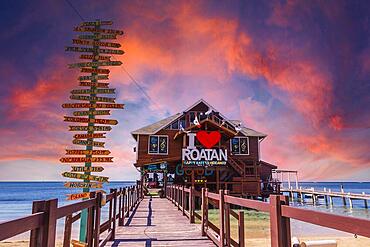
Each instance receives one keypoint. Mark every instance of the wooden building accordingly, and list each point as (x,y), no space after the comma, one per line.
(201,147)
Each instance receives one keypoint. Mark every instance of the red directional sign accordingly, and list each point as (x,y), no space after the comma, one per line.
(97,105)
(95,30)
(93,113)
(86,152)
(87,168)
(92,98)
(90,120)
(88,143)
(90,128)
(97,71)
(93,91)
(83,185)
(95,43)
(94,84)
(84,195)
(88,136)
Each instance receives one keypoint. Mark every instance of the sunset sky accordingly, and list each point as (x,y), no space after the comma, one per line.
(298,71)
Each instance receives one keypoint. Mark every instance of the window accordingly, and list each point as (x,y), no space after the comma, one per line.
(158,145)
(239,145)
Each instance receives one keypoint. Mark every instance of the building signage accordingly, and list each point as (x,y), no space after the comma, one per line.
(161,167)
(90,128)
(208,156)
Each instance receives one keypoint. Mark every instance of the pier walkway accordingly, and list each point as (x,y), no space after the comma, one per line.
(156,222)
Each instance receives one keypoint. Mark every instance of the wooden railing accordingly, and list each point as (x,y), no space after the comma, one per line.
(43,221)
(278,208)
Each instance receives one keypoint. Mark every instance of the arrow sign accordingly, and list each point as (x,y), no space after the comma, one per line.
(86,159)
(86,152)
(83,185)
(97,71)
(94,84)
(90,128)
(87,105)
(89,136)
(95,30)
(84,195)
(95,64)
(92,98)
(87,169)
(88,143)
(79,49)
(96,23)
(84,176)
(94,113)
(95,91)
(97,36)
(93,57)
(93,77)
(95,43)
(90,120)
(109,51)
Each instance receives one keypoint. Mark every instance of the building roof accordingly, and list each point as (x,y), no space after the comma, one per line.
(155,127)
(247,131)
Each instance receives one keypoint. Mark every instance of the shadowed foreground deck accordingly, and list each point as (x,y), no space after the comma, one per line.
(156,222)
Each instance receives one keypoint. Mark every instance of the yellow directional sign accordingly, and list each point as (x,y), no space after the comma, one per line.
(93,57)
(94,91)
(86,152)
(94,84)
(97,71)
(96,23)
(95,64)
(88,136)
(94,113)
(88,105)
(97,36)
(92,98)
(84,176)
(95,43)
(90,128)
(86,159)
(84,195)
(93,77)
(83,185)
(95,30)
(88,143)
(87,169)
(90,120)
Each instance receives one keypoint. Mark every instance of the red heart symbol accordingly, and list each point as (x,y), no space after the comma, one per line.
(208,139)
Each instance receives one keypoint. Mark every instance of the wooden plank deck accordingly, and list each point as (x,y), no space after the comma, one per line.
(156,222)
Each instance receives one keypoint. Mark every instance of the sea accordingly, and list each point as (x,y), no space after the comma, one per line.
(16,201)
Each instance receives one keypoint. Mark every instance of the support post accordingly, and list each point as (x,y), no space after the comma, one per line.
(285,223)
(191,205)
(222,218)
(113,235)
(67,231)
(241,228)
(122,221)
(97,219)
(276,222)
(36,237)
(183,200)
(227,222)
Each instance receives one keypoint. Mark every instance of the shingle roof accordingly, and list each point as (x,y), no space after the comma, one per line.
(155,127)
(247,131)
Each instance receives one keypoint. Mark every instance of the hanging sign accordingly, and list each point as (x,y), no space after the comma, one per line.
(90,128)
(96,23)
(87,152)
(79,49)
(95,30)
(90,120)
(97,36)
(83,185)
(88,136)
(93,113)
(95,64)
(84,176)
(97,71)
(93,77)
(88,143)
(94,57)
(94,91)
(87,168)
(84,195)
(92,98)
(94,84)
(95,43)
(88,105)
(85,159)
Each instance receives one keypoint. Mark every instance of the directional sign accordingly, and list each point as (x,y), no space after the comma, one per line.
(96,23)
(95,64)
(97,71)
(85,159)
(84,176)
(86,152)
(97,105)
(95,43)
(93,113)
(83,185)
(94,91)
(84,195)
(87,169)
(93,77)
(79,49)
(89,136)
(95,30)
(90,128)
(93,57)
(97,36)
(94,84)
(92,98)
(90,120)
(109,51)
(88,143)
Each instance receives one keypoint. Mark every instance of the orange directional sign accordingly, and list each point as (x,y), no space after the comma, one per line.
(89,136)
(87,168)
(93,57)
(95,91)
(90,120)
(97,105)
(97,71)
(83,185)
(95,64)
(92,98)
(93,77)
(94,84)
(95,43)
(94,113)
(96,23)
(87,152)
(84,195)
(84,176)
(88,143)
(90,128)
(95,30)
(97,36)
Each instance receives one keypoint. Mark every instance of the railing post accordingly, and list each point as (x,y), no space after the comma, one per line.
(204,212)
(127,206)
(97,219)
(285,223)
(122,200)
(90,223)
(178,197)
(110,212)
(36,237)
(183,200)
(119,197)
(227,222)
(113,235)
(222,218)
(276,222)
(241,228)
(67,231)
(191,205)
